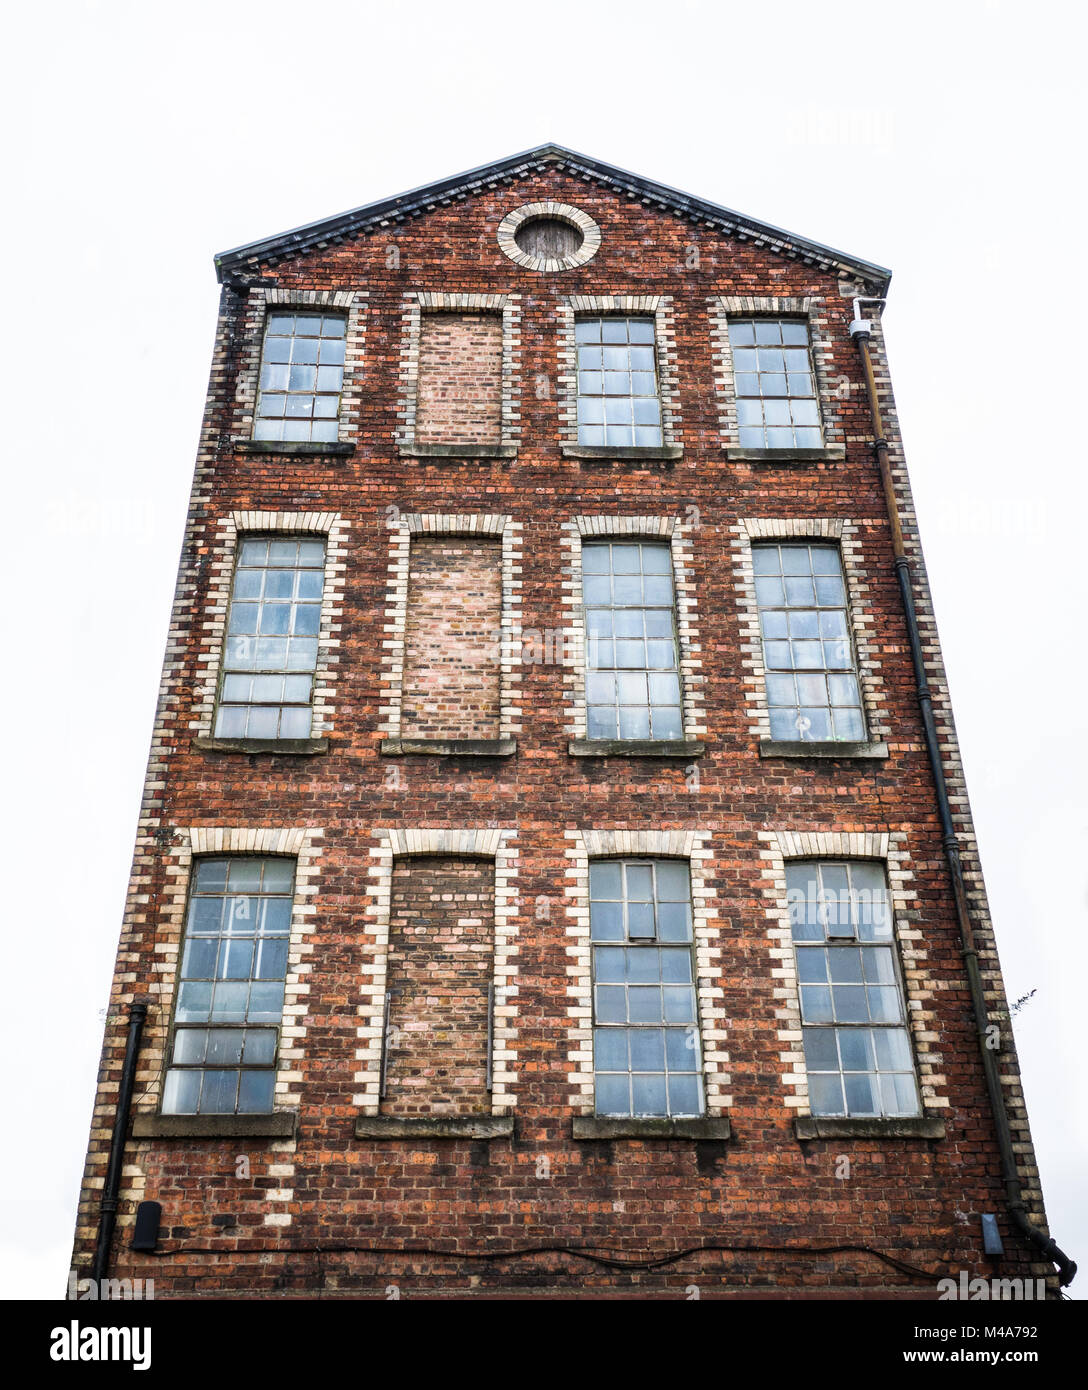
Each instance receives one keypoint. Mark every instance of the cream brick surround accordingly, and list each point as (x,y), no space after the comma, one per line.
(863,621)
(660,306)
(586,845)
(560,212)
(301,844)
(419,302)
(393,844)
(814,311)
(920,986)
(264,300)
(648,528)
(333,528)
(405,525)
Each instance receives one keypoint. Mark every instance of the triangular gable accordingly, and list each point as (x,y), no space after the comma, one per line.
(390,211)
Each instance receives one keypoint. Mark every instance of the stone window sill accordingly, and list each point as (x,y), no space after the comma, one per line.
(645,1127)
(434,1127)
(301,449)
(459,451)
(800,748)
(838,1127)
(281,1124)
(834,453)
(290,747)
(635,748)
(452,747)
(612,452)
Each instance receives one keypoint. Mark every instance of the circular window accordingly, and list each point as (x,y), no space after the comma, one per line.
(549,236)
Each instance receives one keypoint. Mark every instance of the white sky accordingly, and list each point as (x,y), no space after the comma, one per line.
(940,139)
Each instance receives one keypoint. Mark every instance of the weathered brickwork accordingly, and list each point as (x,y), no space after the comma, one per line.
(357,817)
(441,934)
(451,668)
(460,379)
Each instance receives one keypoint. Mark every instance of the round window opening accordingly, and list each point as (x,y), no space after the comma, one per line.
(549,238)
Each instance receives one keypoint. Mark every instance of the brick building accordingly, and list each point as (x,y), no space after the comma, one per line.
(542,883)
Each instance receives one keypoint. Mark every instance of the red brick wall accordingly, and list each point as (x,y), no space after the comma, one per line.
(451,659)
(441,935)
(460,379)
(916,1200)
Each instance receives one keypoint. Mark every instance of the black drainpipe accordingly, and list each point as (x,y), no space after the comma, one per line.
(860,331)
(137,1013)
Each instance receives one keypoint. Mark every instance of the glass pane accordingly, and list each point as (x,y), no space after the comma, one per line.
(856,1049)
(639,882)
(673,880)
(674,921)
(605,879)
(611,1004)
(892,1049)
(820,1051)
(825,1095)
(255,1092)
(684,1097)
(219,1093)
(610,1049)
(647,1049)
(181,1092)
(613,1095)
(260,1046)
(609,964)
(648,1094)
(816,1004)
(606,920)
(265,1002)
(224,1046)
(682,1049)
(676,966)
(189,1045)
(679,1004)
(861,1094)
(644,1003)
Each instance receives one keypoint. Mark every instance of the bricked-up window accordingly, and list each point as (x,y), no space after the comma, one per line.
(632,653)
(439,973)
(618,399)
(452,644)
(459,397)
(811,671)
(857,1048)
(301,377)
(646,1055)
(230,994)
(777,405)
(272,627)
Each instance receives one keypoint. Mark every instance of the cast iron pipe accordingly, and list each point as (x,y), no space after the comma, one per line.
(107,1217)
(860,331)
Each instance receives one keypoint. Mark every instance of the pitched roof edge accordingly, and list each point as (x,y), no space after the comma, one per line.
(416,201)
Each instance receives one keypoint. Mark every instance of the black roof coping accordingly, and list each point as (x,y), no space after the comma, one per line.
(231,263)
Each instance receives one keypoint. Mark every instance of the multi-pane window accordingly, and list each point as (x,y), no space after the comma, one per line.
(618,401)
(272,629)
(632,654)
(811,673)
(230,995)
(857,1048)
(777,406)
(646,1056)
(301,376)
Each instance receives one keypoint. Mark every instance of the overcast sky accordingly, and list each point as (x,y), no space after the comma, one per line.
(943,140)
